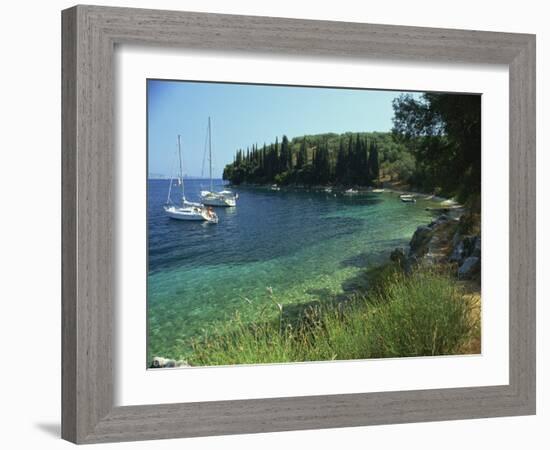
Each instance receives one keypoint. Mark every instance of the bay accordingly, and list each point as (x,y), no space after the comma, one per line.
(301,245)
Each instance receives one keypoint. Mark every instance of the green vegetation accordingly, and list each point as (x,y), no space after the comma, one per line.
(346,159)
(419,315)
(443,132)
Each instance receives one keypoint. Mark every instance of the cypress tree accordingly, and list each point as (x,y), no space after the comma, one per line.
(374,168)
(340,169)
(301,158)
(285,157)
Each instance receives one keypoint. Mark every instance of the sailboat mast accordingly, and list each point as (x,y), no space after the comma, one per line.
(210,153)
(181,170)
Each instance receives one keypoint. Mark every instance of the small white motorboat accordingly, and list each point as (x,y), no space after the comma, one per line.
(274,187)
(377,190)
(407,198)
(351,191)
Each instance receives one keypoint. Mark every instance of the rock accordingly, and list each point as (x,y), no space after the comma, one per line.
(477,247)
(161,363)
(443,218)
(465,247)
(420,240)
(398,255)
(458,252)
(469,268)
(457,237)
(469,244)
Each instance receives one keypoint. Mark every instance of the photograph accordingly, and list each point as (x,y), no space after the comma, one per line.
(291,224)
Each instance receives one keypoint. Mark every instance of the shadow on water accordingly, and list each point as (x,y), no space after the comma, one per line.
(360,260)
(356,284)
(366,258)
(352,286)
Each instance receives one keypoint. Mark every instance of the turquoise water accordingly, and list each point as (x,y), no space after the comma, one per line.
(305,246)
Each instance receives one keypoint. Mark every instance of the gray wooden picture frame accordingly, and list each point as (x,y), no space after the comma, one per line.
(90,34)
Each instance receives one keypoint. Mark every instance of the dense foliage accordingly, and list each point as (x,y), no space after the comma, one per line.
(443,131)
(346,159)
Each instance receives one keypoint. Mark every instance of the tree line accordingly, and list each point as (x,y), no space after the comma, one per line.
(348,159)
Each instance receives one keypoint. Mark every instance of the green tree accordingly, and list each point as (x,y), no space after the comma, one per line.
(285,156)
(341,162)
(443,131)
(301,158)
(373,164)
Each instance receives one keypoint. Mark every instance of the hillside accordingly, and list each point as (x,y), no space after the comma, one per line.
(347,159)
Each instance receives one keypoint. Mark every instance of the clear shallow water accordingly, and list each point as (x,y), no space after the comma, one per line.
(306,246)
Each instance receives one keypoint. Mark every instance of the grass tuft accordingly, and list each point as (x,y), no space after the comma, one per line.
(423,314)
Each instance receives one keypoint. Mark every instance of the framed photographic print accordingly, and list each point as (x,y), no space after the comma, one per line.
(268,222)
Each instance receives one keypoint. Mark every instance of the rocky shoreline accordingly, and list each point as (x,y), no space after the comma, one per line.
(454,242)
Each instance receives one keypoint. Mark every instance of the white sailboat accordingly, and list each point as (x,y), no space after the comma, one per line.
(187,210)
(212,198)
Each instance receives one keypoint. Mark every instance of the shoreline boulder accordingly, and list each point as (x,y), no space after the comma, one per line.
(418,246)
(159,362)
(469,268)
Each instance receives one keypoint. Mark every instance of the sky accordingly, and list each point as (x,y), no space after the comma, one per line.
(246,114)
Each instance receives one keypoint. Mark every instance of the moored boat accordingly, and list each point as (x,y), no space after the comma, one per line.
(223,198)
(407,198)
(187,210)
(190,213)
(212,198)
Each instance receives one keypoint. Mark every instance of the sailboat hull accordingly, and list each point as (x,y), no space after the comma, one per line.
(214,199)
(189,214)
(218,202)
(183,216)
